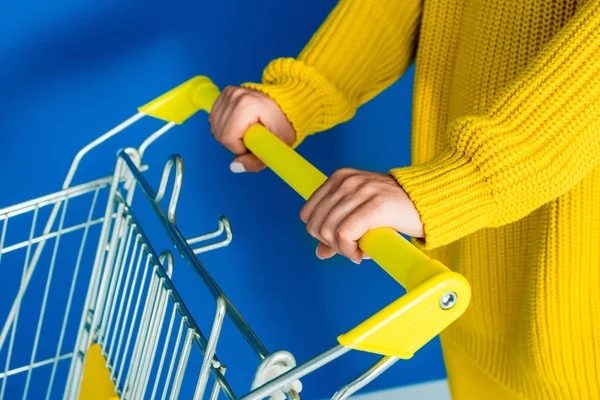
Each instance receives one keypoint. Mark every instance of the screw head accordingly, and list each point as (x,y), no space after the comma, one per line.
(448,300)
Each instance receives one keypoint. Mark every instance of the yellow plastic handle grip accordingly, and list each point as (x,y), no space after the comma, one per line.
(435,295)
(390,250)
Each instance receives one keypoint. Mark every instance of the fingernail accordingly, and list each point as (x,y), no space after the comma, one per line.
(237,167)
(317,254)
(366,258)
(355,262)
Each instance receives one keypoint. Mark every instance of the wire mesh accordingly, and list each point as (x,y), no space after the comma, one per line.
(44,308)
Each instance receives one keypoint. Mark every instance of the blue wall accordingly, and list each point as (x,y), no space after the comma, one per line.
(72,69)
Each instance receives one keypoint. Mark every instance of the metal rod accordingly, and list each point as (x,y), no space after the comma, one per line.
(164,352)
(47,236)
(45,298)
(183,360)
(39,202)
(150,139)
(216,386)
(127,309)
(13,313)
(211,348)
(366,378)
(134,366)
(113,338)
(101,139)
(35,365)
(115,282)
(173,358)
(191,258)
(16,307)
(224,226)
(296,373)
(89,316)
(150,353)
(133,319)
(183,311)
(71,291)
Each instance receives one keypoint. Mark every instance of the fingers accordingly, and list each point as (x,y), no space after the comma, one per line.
(247,163)
(234,111)
(324,251)
(330,185)
(332,204)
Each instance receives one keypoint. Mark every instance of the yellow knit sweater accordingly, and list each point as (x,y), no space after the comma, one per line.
(505,174)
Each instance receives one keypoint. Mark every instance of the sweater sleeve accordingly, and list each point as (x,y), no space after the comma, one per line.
(361,49)
(532,145)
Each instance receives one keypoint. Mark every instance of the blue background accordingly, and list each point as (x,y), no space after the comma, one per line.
(71,70)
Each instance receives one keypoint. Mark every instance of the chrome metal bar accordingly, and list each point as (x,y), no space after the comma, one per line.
(44,238)
(45,298)
(71,291)
(191,258)
(134,318)
(55,209)
(366,378)
(296,373)
(211,348)
(224,226)
(128,308)
(216,387)
(16,307)
(35,365)
(101,139)
(151,299)
(164,352)
(117,297)
(39,202)
(89,317)
(150,139)
(115,282)
(183,311)
(154,333)
(155,325)
(183,360)
(4,226)
(173,358)
(109,269)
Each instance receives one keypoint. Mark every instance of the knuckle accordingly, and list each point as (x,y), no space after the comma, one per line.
(342,234)
(303,215)
(310,228)
(366,188)
(343,172)
(378,200)
(351,181)
(325,233)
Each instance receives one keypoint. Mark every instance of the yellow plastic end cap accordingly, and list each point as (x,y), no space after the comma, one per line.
(407,324)
(180,103)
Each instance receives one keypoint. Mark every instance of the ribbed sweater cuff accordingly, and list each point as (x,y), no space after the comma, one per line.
(307,98)
(451,196)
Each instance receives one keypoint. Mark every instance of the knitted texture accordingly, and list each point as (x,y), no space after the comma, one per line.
(505,169)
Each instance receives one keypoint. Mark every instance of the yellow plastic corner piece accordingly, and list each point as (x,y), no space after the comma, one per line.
(180,103)
(407,324)
(96,383)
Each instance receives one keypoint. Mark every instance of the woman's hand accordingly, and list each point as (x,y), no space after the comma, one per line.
(352,202)
(235,111)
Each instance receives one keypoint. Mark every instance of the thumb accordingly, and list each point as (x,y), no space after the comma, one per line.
(246,163)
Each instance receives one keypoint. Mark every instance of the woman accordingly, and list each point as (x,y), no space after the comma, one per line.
(505,181)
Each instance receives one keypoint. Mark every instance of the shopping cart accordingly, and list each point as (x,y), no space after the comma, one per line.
(135,332)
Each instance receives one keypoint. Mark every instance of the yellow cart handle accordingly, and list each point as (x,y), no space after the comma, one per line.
(435,295)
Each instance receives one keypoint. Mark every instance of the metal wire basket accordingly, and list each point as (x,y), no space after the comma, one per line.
(135,333)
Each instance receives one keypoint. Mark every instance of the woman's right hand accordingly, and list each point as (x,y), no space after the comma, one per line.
(235,111)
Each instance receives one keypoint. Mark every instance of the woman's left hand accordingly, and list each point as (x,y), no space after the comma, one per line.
(352,202)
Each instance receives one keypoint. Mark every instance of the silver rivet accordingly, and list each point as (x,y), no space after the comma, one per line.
(448,300)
